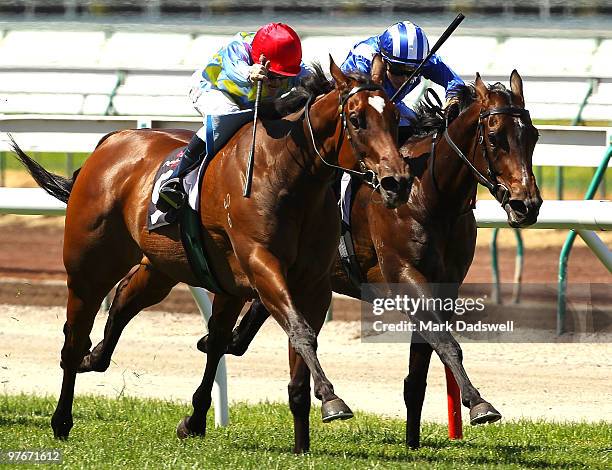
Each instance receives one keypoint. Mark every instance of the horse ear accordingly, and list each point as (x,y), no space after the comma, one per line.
(516,85)
(341,79)
(378,69)
(481,89)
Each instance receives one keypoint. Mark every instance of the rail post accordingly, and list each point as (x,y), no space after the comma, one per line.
(569,242)
(2,168)
(453,397)
(518,268)
(495,294)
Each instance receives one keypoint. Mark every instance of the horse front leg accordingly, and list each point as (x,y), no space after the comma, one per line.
(225,311)
(268,277)
(415,385)
(299,401)
(245,332)
(447,348)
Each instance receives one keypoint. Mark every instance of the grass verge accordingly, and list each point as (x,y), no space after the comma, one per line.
(135,433)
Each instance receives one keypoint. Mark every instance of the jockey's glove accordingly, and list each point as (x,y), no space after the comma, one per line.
(259,72)
(451,100)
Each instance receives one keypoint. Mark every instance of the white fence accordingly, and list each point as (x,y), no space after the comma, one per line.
(557,146)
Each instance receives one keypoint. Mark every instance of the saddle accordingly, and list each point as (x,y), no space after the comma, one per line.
(218,129)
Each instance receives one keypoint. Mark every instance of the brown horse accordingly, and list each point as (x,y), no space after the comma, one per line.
(278,245)
(432,239)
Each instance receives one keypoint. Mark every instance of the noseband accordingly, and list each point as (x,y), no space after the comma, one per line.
(499,191)
(369,176)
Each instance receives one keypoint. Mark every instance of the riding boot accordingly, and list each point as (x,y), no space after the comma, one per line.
(172,192)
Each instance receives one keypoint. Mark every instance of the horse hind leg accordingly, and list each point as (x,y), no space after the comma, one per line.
(143,286)
(84,299)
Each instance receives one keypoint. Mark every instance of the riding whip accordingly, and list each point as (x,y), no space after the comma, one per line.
(450,30)
(251,162)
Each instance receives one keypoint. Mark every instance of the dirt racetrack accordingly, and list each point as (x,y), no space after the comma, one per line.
(157,355)
(31,254)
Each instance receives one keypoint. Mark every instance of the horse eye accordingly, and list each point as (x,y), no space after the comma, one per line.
(354,119)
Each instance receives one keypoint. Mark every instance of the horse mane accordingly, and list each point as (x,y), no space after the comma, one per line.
(310,86)
(428,121)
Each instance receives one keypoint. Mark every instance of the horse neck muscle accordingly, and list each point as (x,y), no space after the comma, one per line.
(456,186)
(326,127)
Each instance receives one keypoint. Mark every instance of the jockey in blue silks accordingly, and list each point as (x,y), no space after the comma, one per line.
(402,46)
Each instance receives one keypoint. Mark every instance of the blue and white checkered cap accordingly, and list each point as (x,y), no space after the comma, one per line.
(403,43)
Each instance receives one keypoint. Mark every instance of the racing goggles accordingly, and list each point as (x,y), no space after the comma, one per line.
(399,69)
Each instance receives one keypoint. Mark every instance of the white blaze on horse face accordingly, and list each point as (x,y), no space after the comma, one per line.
(377,102)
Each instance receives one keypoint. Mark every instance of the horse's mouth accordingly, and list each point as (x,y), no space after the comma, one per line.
(521,215)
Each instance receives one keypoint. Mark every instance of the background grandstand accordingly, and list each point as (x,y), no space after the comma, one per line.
(156,8)
(135,58)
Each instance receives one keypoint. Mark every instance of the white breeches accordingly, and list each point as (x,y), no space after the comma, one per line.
(211,102)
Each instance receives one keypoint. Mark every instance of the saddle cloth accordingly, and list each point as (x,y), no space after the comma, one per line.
(218,129)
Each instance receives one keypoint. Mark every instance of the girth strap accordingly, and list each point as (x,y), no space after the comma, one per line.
(348,258)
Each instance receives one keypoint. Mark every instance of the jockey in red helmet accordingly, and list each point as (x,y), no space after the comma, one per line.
(227,84)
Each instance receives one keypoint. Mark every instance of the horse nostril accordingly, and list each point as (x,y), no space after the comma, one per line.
(394,184)
(518,206)
(389,184)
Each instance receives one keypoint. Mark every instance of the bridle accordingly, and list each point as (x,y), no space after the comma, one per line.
(369,176)
(499,191)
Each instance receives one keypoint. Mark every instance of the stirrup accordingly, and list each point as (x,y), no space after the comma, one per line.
(171,195)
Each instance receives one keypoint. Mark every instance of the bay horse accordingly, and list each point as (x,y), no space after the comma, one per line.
(278,245)
(432,239)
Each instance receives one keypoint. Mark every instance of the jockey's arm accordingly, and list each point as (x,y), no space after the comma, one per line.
(236,67)
(438,72)
(356,63)
(407,115)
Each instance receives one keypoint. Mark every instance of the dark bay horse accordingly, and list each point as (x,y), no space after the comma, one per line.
(278,245)
(432,239)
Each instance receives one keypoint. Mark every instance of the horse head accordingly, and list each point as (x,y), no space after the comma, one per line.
(506,138)
(369,127)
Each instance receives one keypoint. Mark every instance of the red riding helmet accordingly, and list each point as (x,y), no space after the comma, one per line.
(282,47)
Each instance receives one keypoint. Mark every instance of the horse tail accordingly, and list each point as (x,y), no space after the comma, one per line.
(56,185)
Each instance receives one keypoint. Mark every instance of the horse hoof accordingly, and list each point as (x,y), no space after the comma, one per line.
(335,409)
(90,364)
(413,445)
(183,431)
(61,428)
(484,413)
(202,344)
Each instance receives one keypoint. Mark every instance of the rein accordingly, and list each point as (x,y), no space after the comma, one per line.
(499,191)
(370,177)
